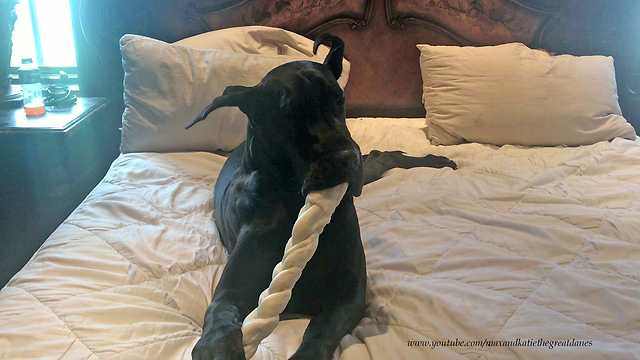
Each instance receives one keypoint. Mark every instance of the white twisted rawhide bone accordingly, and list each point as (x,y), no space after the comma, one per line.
(314,216)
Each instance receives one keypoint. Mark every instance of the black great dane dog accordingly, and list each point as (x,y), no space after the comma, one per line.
(297,141)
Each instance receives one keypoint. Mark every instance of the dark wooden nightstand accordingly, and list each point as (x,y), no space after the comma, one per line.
(48,165)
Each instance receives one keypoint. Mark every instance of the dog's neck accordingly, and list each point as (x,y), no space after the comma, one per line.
(272,163)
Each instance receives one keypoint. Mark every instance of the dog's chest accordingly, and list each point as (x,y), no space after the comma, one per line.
(250,201)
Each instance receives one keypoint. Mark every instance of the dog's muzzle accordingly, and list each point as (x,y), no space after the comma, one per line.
(339,167)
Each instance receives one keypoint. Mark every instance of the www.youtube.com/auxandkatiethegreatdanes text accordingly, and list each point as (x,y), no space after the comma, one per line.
(497,343)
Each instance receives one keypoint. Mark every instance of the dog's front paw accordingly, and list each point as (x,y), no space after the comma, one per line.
(314,352)
(224,343)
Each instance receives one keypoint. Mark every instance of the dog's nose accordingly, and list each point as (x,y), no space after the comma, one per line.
(348,159)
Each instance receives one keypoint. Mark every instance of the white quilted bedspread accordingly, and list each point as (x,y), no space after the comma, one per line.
(519,244)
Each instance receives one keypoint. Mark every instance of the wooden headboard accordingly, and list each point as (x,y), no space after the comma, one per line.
(380,37)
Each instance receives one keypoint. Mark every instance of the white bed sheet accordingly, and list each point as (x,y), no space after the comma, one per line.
(518,243)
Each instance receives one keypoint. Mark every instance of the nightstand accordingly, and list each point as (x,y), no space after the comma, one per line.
(48,165)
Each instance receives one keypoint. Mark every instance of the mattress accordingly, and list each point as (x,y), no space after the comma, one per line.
(522,252)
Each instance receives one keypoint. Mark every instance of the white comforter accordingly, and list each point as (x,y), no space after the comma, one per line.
(519,244)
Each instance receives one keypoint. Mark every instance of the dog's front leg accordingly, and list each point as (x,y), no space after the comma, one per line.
(246,275)
(340,257)
(326,329)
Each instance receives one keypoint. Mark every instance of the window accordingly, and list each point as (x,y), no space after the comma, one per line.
(43,33)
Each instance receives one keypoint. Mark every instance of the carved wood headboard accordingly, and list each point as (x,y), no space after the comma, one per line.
(380,37)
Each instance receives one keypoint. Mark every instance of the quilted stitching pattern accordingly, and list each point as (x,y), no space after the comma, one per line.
(511,246)
(518,243)
(140,250)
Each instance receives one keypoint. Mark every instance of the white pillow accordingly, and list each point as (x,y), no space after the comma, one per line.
(167,85)
(255,40)
(263,40)
(510,94)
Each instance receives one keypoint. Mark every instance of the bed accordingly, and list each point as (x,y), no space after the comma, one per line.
(527,251)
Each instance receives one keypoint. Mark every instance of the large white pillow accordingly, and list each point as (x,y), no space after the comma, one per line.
(510,94)
(167,85)
(254,40)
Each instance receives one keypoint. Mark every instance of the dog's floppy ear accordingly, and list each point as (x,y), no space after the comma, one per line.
(334,58)
(240,96)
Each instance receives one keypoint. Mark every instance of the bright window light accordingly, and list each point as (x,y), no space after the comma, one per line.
(23,43)
(43,33)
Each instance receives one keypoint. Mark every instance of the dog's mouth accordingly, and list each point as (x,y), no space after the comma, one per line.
(324,174)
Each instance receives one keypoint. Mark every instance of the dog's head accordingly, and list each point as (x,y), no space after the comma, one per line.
(297,112)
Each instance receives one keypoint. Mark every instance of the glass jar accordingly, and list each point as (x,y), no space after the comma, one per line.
(31,88)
